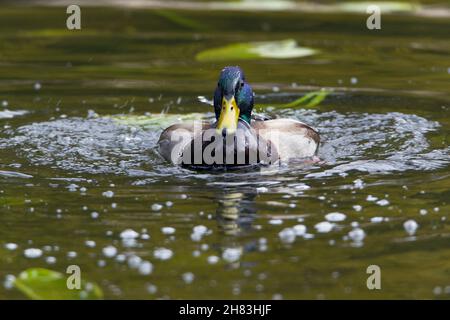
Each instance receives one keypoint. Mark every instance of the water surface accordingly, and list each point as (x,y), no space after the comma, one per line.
(72,175)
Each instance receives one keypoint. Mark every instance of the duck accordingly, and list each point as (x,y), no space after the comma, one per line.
(237,138)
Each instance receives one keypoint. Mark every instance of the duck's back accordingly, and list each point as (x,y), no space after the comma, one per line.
(293,139)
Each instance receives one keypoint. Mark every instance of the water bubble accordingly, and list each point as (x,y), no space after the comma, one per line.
(232,254)
(121,258)
(152,289)
(371,198)
(32,253)
(335,216)
(376,219)
(90,243)
(109,251)
(353,80)
(213,259)
(382,202)
(163,254)
(145,268)
(156,207)
(94,215)
(9,281)
(287,235)
(410,227)
(423,212)
(358,184)
(357,207)
(200,229)
(129,234)
(37,86)
(276,221)
(101,263)
(71,254)
(11,246)
(299,230)
(134,261)
(4,103)
(169,204)
(357,235)
(108,194)
(188,277)
(50,260)
(324,227)
(168,230)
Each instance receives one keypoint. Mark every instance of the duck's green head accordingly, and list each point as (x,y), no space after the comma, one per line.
(233,99)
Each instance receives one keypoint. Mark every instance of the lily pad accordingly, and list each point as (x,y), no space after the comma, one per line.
(45,284)
(284,49)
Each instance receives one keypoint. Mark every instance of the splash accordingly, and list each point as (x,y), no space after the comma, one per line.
(370,143)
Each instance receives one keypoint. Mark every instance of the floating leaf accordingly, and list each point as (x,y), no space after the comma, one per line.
(44,284)
(285,49)
(155,121)
(309,100)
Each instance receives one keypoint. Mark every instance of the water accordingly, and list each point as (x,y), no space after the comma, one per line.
(80,186)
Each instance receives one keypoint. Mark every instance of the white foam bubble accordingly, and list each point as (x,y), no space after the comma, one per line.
(32,253)
(324,226)
(410,227)
(287,235)
(109,251)
(129,234)
(163,254)
(335,216)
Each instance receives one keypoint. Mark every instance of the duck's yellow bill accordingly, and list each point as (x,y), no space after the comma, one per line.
(229,116)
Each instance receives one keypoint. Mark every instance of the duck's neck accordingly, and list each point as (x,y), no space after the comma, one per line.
(245,117)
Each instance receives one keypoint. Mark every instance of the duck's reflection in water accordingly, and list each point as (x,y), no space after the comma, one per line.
(236,212)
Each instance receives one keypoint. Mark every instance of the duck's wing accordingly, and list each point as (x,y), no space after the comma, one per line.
(174,138)
(292,139)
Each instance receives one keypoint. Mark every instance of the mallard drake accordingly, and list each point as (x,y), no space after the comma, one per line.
(250,141)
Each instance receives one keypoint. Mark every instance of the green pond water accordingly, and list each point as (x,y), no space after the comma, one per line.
(79,163)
